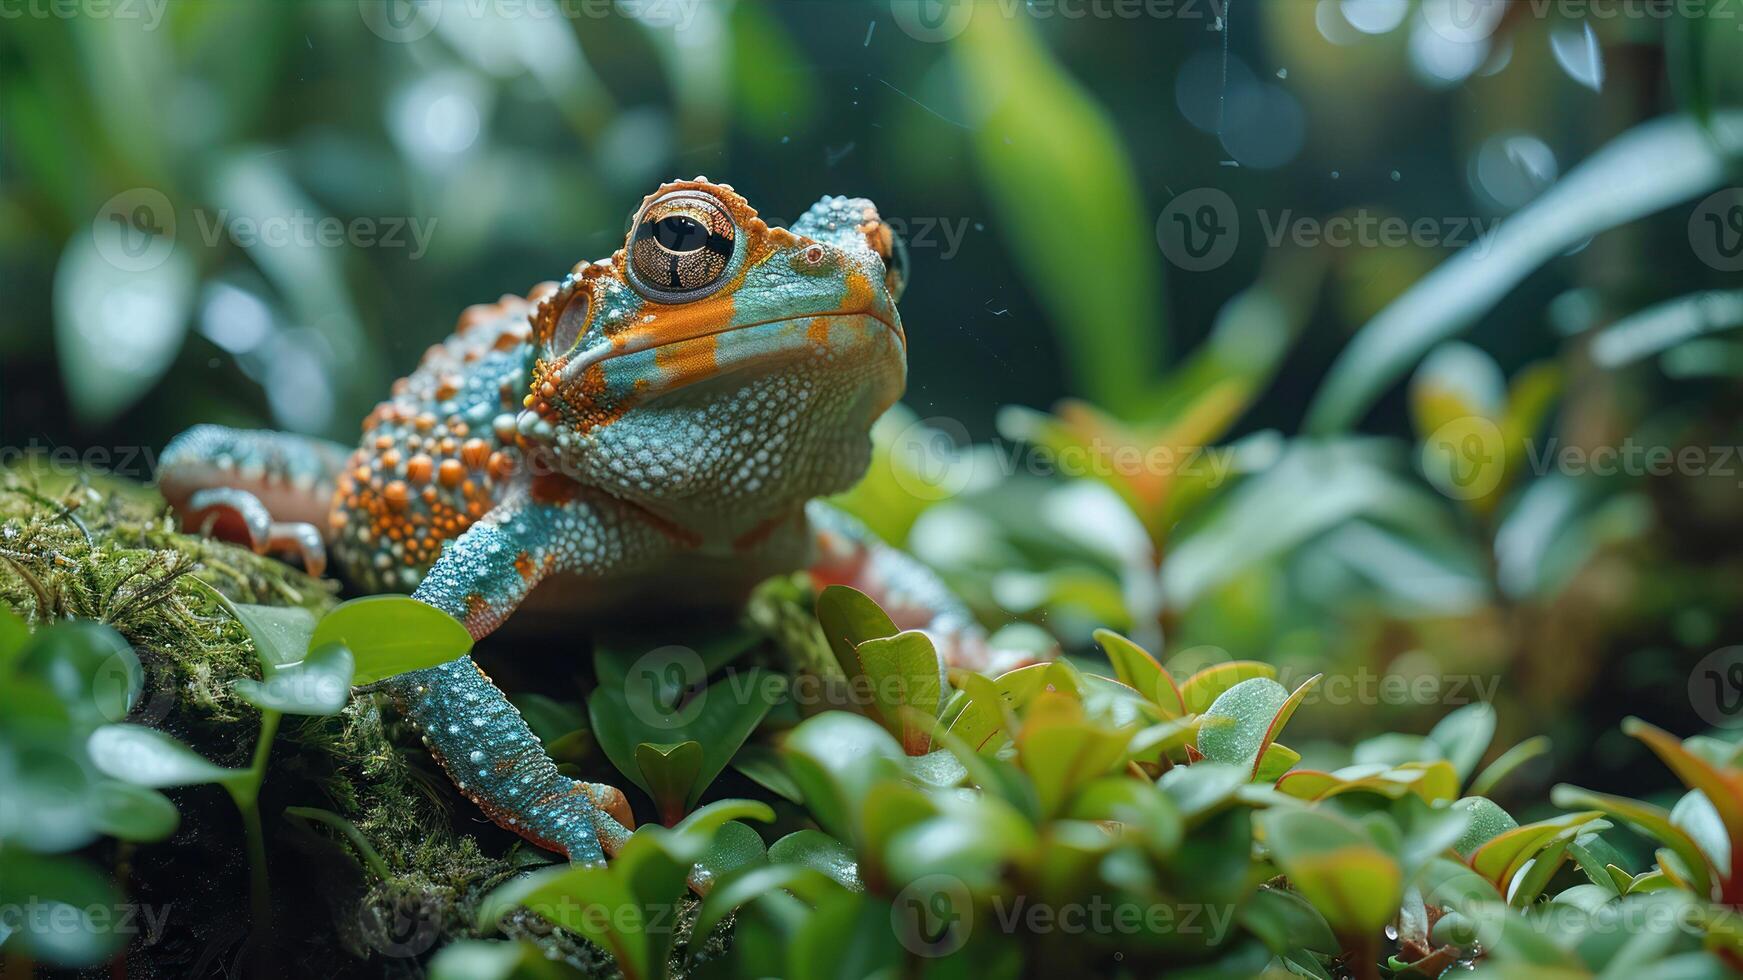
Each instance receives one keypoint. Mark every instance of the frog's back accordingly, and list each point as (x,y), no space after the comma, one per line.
(438,453)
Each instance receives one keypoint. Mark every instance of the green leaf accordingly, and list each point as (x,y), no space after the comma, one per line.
(1502,857)
(1060,749)
(719,719)
(13,636)
(1142,813)
(750,884)
(133,813)
(1509,761)
(1267,768)
(89,667)
(477,959)
(818,851)
(1463,737)
(1488,821)
(147,757)
(764,767)
(1650,820)
(987,715)
(1432,781)
(319,685)
(392,634)
(973,839)
(1277,760)
(849,617)
(1723,790)
(1335,867)
(669,772)
(836,758)
(846,937)
(1203,688)
(1141,672)
(63,896)
(1284,921)
(1651,167)
(736,847)
(281,634)
(905,673)
(1035,127)
(1250,706)
(692,836)
(1202,789)
(592,901)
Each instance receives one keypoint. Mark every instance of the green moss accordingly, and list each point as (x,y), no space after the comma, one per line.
(109,550)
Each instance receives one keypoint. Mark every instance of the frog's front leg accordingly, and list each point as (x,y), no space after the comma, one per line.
(845,552)
(470,727)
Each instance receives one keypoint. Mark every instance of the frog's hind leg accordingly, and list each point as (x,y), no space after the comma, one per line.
(268,490)
(846,553)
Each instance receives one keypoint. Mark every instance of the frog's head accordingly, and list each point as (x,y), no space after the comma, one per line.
(715,367)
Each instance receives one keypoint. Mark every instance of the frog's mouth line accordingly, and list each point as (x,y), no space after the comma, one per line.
(583,360)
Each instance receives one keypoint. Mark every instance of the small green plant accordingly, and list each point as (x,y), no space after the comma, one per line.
(307,668)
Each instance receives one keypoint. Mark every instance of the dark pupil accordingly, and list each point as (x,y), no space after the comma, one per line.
(680,233)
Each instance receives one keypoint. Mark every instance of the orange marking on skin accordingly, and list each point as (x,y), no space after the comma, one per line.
(418,468)
(817,332)
(697,358)
(523,563)
(500,465)
(396,495)
(475,453)
(451,472)
(860,295)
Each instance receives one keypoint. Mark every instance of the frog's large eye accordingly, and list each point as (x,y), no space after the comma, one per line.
(681,247)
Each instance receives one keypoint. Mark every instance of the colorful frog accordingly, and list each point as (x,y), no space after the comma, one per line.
(652,430)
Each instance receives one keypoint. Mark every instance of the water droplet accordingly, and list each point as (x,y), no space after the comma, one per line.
(1396,176)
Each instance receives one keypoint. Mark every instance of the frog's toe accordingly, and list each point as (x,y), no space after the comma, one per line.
(611,800)
(237,516)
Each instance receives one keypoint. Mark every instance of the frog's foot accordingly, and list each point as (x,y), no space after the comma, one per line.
(238,516)
(913,596)
(267,490)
